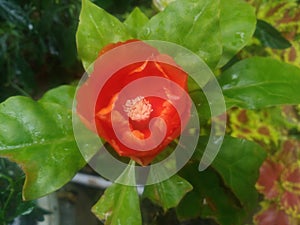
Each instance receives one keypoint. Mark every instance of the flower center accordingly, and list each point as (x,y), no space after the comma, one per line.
(138,109)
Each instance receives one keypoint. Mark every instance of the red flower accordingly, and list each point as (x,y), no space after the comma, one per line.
(125,118)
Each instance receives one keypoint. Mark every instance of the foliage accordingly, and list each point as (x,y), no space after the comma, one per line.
(41,152)
(225,192)
(259,82)
(37,45)
(283,16)
(11,204)
(275,128)
(120,202)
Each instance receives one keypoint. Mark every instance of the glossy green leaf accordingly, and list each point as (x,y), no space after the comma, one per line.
(269,36)
(168,193)
(237,163)
(96,29)
(259,82)
(237,21)
(191,23)
(120,203)
(135,21)
(39,137)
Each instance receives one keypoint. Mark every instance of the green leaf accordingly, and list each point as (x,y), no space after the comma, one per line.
(190,206)
(62,95)
(200,101)
(96,29)
(238,164)
(232,102)
(209,198)
(237,21)
(39,137)
(260,82)
(191,23)
(269,36)
(168,193)
(135,21)
(120,203)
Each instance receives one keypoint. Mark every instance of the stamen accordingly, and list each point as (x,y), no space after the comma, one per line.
(138,109)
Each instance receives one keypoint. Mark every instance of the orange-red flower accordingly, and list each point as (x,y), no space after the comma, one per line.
(127,120)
